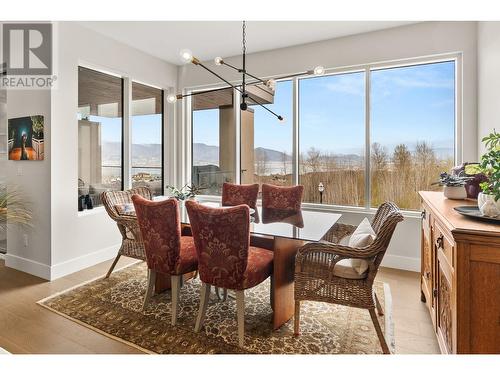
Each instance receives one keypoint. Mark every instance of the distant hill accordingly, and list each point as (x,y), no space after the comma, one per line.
(205,153)
(112,151)
(262,153)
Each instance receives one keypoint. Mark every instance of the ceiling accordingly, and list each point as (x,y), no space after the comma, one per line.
(209,39)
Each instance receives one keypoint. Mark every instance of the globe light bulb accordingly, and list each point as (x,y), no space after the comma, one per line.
(319,70)
(171,98)
(271,83)
(218,60)
(186,55)
(281,119)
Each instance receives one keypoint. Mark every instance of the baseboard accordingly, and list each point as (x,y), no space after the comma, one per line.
(2,256)
(84,261)
(401,263)
(27,265)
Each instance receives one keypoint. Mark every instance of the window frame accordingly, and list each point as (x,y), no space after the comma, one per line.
(368,68)
(126,139)
(162,136)
(123,107)
(294,177)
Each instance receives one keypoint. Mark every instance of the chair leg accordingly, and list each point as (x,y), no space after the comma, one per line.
(240,307)
(380,334)
(113,265)
(296,320)
(378,305)
(204,297)
(175,282)
(150,288)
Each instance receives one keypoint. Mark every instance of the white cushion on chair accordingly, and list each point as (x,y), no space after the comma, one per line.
(364,235)
(345,268)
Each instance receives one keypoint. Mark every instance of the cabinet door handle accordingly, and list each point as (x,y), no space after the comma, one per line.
(435,293)
(428,274)
(423,215)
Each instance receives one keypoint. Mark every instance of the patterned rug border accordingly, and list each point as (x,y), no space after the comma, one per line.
(116,338)
(389,323)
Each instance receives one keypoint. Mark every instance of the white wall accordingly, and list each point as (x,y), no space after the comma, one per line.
(33,178)
(81,240)
(488,50)
(406,42)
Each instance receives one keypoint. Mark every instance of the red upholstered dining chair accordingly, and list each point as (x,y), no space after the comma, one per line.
(234,194)
(282,197)
(225,257)
(167,252)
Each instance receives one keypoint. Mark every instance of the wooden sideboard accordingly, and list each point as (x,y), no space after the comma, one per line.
(460,276)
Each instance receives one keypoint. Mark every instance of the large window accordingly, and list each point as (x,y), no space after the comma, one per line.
(332,138)
(412,130)
(213,140)
(100,129)
(367,136)
(267,144)
(147,137)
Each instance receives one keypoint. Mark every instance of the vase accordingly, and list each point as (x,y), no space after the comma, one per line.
(455,192)
(488,205)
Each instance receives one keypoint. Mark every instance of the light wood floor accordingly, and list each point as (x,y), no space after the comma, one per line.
(26,327)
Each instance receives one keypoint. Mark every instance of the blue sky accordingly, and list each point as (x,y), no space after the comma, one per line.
(408,104)
(146,129)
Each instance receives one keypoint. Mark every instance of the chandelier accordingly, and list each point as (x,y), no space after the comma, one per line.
(246,99)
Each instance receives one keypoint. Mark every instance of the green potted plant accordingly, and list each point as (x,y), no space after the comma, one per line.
(186,192)
(454,185)
(488,199)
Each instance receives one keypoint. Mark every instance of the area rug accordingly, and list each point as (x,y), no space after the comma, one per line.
(114,307)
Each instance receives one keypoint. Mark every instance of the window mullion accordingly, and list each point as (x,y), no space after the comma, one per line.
(127,133)
(295,130)
(367,139)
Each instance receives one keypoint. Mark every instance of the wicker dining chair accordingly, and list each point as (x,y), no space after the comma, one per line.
(316,278)
(132,245)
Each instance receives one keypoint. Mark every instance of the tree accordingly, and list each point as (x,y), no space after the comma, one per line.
(284,159)
(313,159)
(401,158)
(424,155)
(379,156)
(261,163)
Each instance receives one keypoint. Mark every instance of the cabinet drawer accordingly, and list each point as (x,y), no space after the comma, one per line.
(443,242)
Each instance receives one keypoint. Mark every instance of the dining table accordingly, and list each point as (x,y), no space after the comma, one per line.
(283,232)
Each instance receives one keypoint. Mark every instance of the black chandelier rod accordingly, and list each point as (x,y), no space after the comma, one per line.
(219,76)
(180,96)
(279,117)
(243,71)
(243,86)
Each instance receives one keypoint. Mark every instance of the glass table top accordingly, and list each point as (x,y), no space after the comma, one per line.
(304,224)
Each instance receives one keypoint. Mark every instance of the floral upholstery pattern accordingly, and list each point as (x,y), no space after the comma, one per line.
(166,251)
(234,195)
(282,197)
(222,239)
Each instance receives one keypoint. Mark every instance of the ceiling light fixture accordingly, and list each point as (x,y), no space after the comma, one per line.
(187,57)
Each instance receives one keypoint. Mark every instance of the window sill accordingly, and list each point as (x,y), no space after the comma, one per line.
(91,212)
